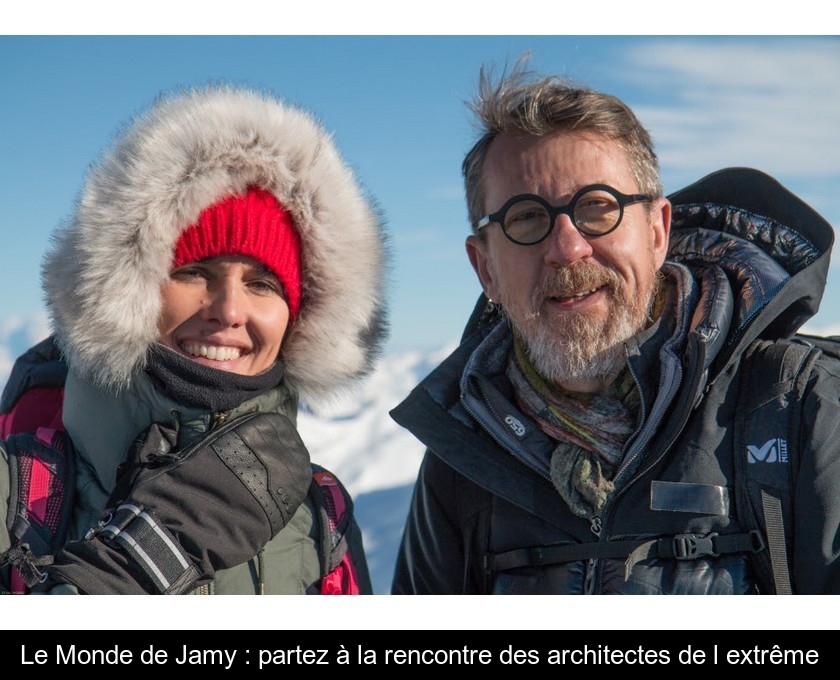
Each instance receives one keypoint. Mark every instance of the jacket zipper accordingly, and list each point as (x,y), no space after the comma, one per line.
(592,563)
(683,420)
(686,412)
(495,437)
(635,449)
(633,452)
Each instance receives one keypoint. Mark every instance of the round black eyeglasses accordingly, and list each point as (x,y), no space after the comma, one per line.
(595,210)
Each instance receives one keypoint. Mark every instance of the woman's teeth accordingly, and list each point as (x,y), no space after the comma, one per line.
(211,351)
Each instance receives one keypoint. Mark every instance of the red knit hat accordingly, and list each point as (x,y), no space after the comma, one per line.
(254,225)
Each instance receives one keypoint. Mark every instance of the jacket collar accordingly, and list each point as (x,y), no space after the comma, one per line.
(103,426)
(740,230)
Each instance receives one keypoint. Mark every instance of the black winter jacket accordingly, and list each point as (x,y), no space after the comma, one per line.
(750,260)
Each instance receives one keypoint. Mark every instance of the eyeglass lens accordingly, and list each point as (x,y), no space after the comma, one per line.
(595,212)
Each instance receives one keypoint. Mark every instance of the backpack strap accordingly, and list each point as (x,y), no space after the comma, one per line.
(41,461)
(339,572)
(41,471)
(767,448)
(678,547)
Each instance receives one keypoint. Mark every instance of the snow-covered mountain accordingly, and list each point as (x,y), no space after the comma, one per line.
(375,458)
(354,437)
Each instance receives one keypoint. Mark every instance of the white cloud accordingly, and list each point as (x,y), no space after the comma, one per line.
(771,103)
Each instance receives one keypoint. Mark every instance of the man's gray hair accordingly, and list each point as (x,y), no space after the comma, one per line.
(521,103)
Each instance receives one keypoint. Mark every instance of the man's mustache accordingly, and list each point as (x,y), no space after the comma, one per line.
(567,281)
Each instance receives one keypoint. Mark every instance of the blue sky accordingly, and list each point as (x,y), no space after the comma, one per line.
(396,105)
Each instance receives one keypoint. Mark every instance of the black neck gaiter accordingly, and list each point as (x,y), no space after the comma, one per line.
(197,386)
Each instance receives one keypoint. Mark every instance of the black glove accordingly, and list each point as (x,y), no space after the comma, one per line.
(176,518)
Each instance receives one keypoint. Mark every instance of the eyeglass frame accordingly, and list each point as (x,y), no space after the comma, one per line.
(554,212)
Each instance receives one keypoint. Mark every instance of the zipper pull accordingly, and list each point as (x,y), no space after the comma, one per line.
(219,419)
(591,563)
(589,582)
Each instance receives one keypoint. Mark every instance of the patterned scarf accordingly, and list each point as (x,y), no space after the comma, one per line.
(590,430)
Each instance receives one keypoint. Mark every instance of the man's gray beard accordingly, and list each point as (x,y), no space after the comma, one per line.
(577,348)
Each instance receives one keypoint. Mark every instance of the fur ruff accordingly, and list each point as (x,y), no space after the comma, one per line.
(103,272)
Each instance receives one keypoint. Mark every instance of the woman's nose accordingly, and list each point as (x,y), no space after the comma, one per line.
(226,304)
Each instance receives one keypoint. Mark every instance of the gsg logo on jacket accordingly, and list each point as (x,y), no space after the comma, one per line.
(772,451)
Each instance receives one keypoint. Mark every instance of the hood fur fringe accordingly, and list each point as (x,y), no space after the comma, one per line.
(104,269)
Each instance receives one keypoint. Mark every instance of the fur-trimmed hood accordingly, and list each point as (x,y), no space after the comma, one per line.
(103,272)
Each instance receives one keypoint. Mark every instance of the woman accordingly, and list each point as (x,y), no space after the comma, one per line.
(222,263)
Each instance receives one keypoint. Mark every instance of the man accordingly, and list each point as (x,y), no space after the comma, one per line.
(585,436)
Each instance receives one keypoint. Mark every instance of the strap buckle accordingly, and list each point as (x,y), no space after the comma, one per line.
(692,546)
(26,565)
(117,521)
(757,539)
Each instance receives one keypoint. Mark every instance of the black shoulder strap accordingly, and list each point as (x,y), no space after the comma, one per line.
(335,509)
(41,472)
(344,569)
(767,447)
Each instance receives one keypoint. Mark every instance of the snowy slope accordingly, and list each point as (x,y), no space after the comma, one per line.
(375,458)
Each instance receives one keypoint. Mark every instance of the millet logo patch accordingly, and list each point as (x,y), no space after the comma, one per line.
(772,451)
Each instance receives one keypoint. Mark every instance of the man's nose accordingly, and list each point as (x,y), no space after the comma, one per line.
(566,245)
